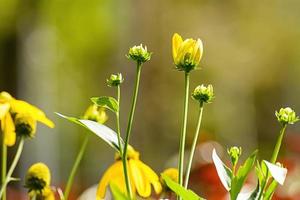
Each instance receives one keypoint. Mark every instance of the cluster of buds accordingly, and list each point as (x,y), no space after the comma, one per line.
(234,153)
(115,80)
(139,54)
(186,54)
(203,94)
(286,116)
(37,181)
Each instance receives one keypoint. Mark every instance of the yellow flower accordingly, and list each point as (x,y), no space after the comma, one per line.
(172,173)
(96,113)
(12,109)
(186,54)
(141,177)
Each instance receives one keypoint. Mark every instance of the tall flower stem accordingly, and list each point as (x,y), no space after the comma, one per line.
(187,175)
(129,127)
(4,166)
(118,120)
(75,166)
(13,166)
(183,129)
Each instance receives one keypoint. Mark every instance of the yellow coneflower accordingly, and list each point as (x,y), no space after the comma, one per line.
(37,181)
(22,113)
(141,176)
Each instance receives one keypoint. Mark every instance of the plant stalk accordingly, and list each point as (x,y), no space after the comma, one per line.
(187,175)
(118,122)
(13,166)
(75,166)
(129,127)
(4,166)
(183,130)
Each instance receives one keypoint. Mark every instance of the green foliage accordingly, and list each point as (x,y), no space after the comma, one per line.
(100,130)
(185,194)
(106,102)
(117,194)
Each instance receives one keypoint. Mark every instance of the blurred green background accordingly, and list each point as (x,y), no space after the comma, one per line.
(57,54)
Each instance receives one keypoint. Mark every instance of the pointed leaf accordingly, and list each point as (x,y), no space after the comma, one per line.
(186,194)
(224,173)
(102,131)
(106,102)
(242,173)
(270,191)
(277,172)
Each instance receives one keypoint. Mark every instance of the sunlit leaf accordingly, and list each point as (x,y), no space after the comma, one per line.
(224,173)
(277,172)
(100,130)
(270,190)
(185,194)
(106,102)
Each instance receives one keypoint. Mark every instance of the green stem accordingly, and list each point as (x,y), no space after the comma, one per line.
(187,175)
(183,130)
(274,157)
(75,166)
(13,166)
(129,127)
(118,122)
(4,166)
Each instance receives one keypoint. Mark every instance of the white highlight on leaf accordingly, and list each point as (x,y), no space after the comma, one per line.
(277,172)
(222,173)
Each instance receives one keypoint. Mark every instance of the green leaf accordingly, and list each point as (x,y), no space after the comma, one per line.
(270,191)
(117,194)
(100,130)
(224,173)
(277,172)
(186,194)
(241,175)
(255,194)
(106,102)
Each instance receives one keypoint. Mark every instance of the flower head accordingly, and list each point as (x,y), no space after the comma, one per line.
(186,54)
(38,177)
(115,80)
(139,54)
(142,177)
(172,173)
(96,113)
(286,116)
(25,125)
(203,94)
(16,111)
(234,153)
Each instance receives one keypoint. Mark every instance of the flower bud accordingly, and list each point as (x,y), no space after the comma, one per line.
(286,116)
(186,54)
(38,177)
(234,153)
(115,80)
(95,113)
(203,94)
(172,173)
(139,54)
(25,125)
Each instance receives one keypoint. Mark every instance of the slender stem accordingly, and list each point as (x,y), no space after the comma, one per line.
(4,166)
(13,166)
(187,175)
(118,121)
(274,157)
(183,130)
(75,166)
(129,126)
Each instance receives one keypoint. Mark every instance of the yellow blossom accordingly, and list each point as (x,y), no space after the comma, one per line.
(172,173)
(95,113)
(186,54)
(141,176)
(12,109)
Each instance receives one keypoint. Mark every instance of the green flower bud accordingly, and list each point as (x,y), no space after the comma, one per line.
(139,54)
(38,177)
(115,80)
(234,153)
(95,113)
(25,125)
(203,94)
(286,116)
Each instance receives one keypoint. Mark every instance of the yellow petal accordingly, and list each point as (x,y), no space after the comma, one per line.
(141,183)
(186,47)
(199,52)
(4,108)
(151,176)
(8,129)
(176,42)
(18,106)
(114,172)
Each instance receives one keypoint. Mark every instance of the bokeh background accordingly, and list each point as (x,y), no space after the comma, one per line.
(57,54)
